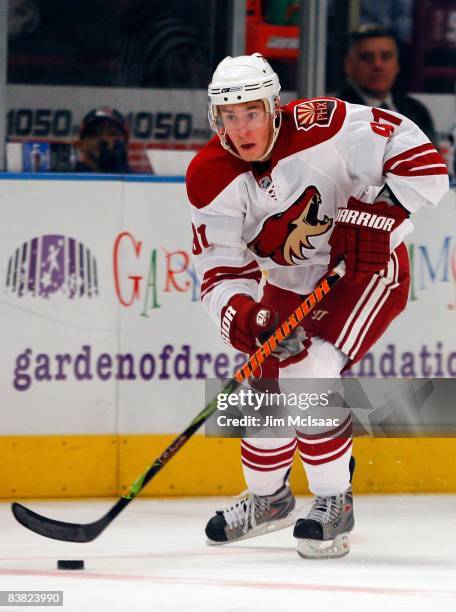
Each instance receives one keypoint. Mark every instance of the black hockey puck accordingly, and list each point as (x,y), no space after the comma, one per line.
(63,564)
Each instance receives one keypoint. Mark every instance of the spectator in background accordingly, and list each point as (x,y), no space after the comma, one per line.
(372,67)
(103,141)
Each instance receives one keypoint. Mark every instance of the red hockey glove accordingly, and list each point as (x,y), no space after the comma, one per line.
(246,324)
(361,236)
(243,320)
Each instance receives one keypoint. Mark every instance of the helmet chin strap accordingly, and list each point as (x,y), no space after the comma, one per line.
(277,123)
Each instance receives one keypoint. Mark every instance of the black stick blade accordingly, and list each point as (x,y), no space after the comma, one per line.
(57,530)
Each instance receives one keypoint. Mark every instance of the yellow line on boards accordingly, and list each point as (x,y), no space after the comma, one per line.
(106,465)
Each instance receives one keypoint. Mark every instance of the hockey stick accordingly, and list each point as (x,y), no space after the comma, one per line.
(74,532)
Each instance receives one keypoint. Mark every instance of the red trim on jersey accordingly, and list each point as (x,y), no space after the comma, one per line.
(251,276)
(211,171)
(407,154)
(216,275)
(414,171)
(419,161)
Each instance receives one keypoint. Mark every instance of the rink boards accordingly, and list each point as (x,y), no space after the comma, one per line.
(105,346)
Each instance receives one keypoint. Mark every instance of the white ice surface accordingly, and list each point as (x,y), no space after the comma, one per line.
(154,557)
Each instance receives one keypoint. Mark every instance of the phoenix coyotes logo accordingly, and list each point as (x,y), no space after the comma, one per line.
(314,112)
(286,236)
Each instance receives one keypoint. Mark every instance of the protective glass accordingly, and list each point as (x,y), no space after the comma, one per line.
(246,120)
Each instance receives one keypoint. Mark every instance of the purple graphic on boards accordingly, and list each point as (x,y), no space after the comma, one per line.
(52,264)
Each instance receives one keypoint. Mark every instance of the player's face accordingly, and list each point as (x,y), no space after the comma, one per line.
(249,127)
(373,65)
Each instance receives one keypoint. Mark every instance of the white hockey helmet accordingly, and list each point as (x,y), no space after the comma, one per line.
(243,79)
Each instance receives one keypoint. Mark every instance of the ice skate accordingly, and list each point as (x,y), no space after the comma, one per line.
(251,516)
(323,534)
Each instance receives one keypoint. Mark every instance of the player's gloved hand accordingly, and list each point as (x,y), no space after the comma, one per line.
(293,348)
(361,236)
(246,324)
(243,320)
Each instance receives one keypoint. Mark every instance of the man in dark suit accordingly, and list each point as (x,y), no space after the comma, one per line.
(372,66)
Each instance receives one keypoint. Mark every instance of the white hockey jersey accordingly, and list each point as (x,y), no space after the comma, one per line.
(277,216)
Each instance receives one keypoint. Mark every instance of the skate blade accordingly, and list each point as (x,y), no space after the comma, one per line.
(329,549)
(268,527)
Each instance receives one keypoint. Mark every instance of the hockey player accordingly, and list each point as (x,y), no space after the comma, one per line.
(292,191)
